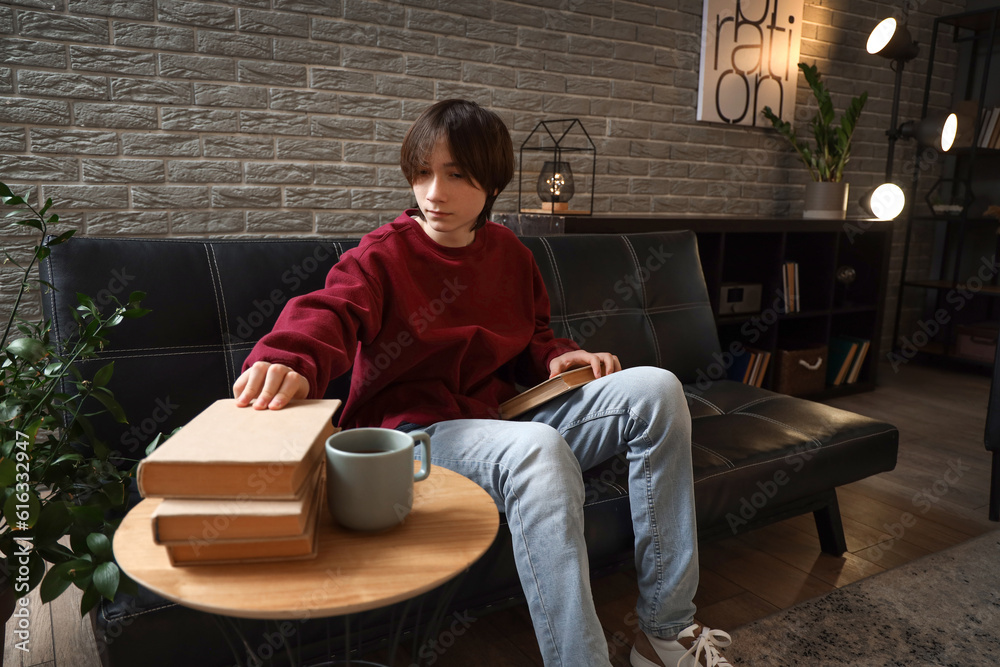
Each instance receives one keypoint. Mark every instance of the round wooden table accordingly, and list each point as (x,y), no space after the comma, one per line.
(452,523)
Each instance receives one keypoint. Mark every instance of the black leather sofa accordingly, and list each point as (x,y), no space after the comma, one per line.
(759,456)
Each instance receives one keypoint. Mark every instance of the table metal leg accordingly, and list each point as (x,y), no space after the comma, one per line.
(424,634)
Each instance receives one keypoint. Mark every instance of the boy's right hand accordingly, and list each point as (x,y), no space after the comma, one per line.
(269,386)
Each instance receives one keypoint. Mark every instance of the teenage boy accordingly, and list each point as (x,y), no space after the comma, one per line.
(440,313)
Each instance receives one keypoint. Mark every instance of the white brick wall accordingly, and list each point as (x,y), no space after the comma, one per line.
(179,118)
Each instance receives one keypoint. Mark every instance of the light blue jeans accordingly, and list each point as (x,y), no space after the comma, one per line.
(532,469)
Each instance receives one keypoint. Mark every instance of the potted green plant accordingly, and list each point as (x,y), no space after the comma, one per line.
(61,499)
(826,195)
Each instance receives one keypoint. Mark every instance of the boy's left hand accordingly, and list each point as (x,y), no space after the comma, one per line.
(603,363)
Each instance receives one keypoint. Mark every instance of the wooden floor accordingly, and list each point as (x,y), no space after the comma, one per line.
(935,498)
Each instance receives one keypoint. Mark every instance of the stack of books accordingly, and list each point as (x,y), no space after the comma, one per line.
(847,354)
(750,367)
(790,287)
(241,485)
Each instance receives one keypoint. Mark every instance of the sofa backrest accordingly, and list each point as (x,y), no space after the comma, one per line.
(641,296)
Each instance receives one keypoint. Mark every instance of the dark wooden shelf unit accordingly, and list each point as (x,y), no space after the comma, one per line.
(962,241)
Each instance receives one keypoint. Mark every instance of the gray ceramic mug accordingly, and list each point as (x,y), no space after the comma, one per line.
(369,476)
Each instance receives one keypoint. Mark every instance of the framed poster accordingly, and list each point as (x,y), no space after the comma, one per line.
(749,60)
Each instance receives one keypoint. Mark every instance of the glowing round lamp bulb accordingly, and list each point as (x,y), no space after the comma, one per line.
(887,201)
(881,35)
(949,131)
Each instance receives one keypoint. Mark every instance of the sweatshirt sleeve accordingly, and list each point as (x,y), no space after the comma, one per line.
(317,334)
(544,345)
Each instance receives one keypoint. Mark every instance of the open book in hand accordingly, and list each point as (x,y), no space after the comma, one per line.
(546,391)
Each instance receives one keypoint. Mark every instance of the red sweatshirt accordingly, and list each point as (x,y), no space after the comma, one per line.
(433,333)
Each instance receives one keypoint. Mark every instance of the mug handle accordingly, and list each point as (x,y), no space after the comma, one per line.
(421,439)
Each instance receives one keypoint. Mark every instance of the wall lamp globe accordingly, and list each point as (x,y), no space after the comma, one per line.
(885,202)
(891,39)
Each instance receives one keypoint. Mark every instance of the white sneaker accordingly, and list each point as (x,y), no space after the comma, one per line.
(696,646)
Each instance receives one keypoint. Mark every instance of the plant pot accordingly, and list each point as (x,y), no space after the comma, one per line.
(825,200)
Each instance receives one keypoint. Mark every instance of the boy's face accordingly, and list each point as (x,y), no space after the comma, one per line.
(450,204)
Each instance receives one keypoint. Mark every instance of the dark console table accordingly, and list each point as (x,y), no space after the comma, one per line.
(737,252)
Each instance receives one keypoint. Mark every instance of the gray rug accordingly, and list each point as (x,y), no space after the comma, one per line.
(942,609)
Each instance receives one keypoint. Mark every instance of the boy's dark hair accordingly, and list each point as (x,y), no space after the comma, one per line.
(478,140)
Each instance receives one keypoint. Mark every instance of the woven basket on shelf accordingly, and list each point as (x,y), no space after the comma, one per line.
(800,372)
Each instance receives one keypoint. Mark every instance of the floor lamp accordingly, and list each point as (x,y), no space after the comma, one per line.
(892,40)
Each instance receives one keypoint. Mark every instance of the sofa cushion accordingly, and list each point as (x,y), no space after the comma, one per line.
(754,448)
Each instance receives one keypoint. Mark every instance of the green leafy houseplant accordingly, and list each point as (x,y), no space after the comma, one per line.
(51,486)
(832,148)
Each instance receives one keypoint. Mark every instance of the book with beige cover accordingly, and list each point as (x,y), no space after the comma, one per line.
(232,452)
(188,519)
(206,550)
(546,391)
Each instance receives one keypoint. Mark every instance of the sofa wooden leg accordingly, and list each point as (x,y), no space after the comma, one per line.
(830,527)
(995,488)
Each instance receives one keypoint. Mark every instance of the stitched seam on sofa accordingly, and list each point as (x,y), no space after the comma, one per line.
(562,289)
(755,402)
(50,279)
(598,482)
(589,314)
(619,487)
(713,453)
(677,307)
(760,463)
(154,351)
(706,402)
(642,293)
(111,355)
(301,239)
(215,347)
(775,421)
(219,309)
(226,335)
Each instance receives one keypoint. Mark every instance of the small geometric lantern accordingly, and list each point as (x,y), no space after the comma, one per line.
(564,158)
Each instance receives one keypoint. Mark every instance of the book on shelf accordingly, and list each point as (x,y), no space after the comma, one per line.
(790,285)
(859,358)
(232,452)
(797,291)
(765,360)
(995,137)
(546,391)
(984,127)
(742,365)
(841,353)
(190,519)
(750,367)
(740,370)
(785,293)
(214,550)
(990,122)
